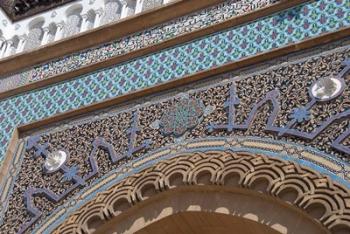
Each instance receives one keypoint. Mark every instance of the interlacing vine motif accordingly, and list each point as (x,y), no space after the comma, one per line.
(298,115)
(190,115)
(71,173)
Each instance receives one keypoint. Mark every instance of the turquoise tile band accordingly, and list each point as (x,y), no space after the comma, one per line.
(293,25)
(150,36)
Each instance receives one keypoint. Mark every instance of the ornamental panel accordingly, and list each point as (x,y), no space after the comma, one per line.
(298,112)
(311,188)
(151,36)
(276,31)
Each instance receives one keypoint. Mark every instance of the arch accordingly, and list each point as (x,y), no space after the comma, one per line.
(112,11)
(10,46)
(34,38)
(74,20)
(297,189)
(52,32)
(35,35)
(36,23)
(130,8)
(74,9)
(91,17)
(15,40)
(206,223)
(240,205)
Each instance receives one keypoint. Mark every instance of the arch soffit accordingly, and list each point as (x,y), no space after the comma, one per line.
(241,205)
(314,193)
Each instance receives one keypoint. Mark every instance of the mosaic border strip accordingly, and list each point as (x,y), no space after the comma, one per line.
(161,33)
(206,53)
(224,79)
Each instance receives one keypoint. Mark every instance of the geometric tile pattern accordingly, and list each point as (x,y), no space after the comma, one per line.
(293,25)
(273,90)
(154,35)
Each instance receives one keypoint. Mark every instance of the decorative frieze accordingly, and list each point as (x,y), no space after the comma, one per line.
(170,64)
(322,90)
(260,112)
(127,44)
(78,16)
(226,169)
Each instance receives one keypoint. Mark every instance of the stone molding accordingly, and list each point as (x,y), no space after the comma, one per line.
(309,190)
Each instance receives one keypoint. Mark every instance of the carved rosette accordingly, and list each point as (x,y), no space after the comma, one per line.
(182,116)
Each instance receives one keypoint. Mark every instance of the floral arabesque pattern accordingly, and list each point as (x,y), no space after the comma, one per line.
(185,115)
(309,20)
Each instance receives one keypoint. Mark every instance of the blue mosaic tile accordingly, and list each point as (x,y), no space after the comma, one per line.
(189,23)
(293,25)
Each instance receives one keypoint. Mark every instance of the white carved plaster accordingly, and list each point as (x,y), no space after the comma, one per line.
(65,21)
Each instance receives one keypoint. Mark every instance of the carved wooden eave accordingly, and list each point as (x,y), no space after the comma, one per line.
(21,9)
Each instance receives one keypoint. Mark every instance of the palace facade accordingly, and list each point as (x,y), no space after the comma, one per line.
(185,116)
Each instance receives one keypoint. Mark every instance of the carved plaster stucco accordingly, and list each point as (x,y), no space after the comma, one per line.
(299,185)
(97,147)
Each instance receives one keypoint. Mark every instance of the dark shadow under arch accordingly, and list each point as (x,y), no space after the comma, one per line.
(248,211)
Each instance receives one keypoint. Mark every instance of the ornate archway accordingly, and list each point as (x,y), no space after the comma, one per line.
(216,178)
(74,177)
